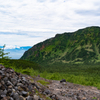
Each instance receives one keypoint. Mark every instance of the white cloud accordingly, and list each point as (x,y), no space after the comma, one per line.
(42,19)
(15,40)
(12,46)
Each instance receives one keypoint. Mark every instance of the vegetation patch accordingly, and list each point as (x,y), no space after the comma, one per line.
(43,82)
(94,98)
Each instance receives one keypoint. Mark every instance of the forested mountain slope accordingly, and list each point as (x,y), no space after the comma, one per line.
(81,46)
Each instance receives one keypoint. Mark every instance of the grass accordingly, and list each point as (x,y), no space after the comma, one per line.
(83,74)
(94,98)
(43,82)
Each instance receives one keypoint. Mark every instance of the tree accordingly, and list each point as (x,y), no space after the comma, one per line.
(2,53)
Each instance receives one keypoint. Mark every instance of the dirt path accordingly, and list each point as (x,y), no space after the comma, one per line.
(70,91)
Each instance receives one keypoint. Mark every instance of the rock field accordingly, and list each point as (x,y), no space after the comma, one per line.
(16,86)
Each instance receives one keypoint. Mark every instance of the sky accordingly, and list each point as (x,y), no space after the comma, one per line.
(24,23)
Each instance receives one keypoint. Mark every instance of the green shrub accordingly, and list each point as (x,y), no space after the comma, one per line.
(43,82)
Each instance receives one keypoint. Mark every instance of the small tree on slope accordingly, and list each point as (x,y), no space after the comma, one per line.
(2,54)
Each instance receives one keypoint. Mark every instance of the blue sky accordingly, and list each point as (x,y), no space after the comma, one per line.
(24,23)
(16,53)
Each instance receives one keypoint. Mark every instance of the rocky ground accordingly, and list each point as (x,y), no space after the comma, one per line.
(15,86)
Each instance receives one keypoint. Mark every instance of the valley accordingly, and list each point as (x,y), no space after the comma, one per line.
(73,56)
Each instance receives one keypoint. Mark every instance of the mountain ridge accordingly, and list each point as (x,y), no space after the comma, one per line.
(81,46)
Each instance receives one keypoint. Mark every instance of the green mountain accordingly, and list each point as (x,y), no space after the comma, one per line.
(81,46)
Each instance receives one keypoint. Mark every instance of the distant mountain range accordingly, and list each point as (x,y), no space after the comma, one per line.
(81,46)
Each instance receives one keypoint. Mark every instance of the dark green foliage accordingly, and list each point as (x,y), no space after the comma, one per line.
(27,72)
(85,74)
(43,82)
(23,64)
(82,46)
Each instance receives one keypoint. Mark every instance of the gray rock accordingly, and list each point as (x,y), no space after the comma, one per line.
(47,91)
(10,87)
(9,92)
(36,97)
(64,83)
(12,70)
(19,84)
(3,69)
(21,98)
(53,96)
(24,94)
(19,81)
(11,98)
(15,87)
(63,80)
(7,75)
(12,94)
(4,92)
(30,98)
(30,87)
(41,99)
(70,94)
(24,79)
(2,96)
(14,81)
(9,83)
(16,96)
(1,72)
(5,79)
(35,85)
(24,88)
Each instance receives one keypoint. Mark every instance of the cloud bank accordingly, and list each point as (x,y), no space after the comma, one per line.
(27,22)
